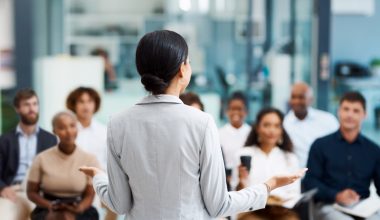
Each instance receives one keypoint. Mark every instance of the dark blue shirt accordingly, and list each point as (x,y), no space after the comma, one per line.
(335,165)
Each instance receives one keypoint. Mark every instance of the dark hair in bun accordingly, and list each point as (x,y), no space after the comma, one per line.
(159,56)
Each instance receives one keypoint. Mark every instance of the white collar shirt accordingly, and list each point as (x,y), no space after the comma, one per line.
(264,166)
(304,132)
(232,139)
(93,139)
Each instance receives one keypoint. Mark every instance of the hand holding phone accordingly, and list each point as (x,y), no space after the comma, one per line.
(246,162)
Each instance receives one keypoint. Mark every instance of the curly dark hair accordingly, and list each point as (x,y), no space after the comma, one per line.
(74,95)
(253,138)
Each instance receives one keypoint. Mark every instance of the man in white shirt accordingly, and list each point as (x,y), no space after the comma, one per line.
(305,124)
(234,134)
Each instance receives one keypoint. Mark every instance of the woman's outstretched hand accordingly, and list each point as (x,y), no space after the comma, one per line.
(90,171)
(283,180)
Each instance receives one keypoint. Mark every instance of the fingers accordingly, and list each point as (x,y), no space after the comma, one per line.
(302,172)
(353,195)
(299,174)
(85,168)
(9,194)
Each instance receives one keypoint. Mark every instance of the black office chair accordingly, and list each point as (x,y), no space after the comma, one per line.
(305,206)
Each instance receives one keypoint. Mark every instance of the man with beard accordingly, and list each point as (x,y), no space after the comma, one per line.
(17,150)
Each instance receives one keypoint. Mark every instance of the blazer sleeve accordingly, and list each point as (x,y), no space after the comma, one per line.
(218,201)
(2,161)
(113,190)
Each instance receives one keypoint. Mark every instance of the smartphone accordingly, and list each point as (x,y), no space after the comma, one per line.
(246,162)
(69,201)
(228,172)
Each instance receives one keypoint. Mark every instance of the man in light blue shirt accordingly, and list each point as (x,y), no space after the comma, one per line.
(28,147)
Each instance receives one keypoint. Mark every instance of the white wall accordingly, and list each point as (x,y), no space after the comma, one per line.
(6,24)
(56,77)
(126,7)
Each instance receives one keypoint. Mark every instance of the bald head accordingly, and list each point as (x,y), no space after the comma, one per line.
(60,115)
(303,88)
(301,98)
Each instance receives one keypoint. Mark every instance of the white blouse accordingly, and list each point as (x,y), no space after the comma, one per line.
(232,140)
(264,166)
(93,139)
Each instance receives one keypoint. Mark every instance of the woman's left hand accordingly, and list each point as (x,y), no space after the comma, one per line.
(90,171)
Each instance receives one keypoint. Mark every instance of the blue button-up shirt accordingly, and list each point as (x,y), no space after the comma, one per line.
(335,165)
(28,149)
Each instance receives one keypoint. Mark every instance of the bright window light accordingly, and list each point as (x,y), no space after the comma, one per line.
(203,6)
(185,5)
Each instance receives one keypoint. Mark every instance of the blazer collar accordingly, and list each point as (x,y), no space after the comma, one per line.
(151,99)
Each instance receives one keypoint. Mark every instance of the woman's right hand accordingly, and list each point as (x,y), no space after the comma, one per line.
(90,171)
(283,180)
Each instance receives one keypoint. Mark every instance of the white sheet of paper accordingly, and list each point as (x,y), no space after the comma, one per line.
(364,209)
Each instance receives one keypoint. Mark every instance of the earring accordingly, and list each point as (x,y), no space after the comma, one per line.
(280,141)
(258,139)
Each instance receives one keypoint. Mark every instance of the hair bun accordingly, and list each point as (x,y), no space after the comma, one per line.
(154,84)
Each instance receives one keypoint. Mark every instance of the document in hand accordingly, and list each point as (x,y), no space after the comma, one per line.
(364,209)
(304,197)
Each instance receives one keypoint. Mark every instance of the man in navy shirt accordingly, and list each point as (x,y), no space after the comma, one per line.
(343,164)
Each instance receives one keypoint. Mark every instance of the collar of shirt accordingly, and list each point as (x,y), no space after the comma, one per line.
(256,150)
(65,156)
(233,129)
(162,98)
(19,131)
(311,114)
(90,127)
(275,151)
(359,139)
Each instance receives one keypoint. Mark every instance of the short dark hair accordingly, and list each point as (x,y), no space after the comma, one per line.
(354,96)
(23,94)
(253,137)
(159,56)
(238,95)
(99,52)
(190,98)
(73,97)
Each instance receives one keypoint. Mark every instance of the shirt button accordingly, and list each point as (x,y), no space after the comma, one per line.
(250,209)
(349,157)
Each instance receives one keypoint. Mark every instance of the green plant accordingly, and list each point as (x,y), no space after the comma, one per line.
(375,62)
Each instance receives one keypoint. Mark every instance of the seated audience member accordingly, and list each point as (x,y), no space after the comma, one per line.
(304,124)
(17,150)
(55,184)
(343,164)
(192,99)
(235,132)
(271,153)
(92,135)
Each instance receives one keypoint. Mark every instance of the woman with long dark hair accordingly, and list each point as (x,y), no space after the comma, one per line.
(271,152)
(164,158)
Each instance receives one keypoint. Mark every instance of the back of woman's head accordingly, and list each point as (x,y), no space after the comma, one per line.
(159,56)
(253,137)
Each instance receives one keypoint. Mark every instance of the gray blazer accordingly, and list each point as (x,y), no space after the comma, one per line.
(165,162)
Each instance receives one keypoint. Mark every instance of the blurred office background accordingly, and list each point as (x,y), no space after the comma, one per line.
(260,47)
